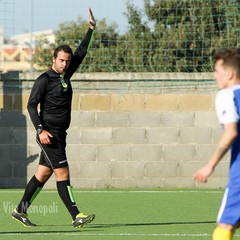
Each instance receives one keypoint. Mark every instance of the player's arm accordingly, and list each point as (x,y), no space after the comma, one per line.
(37,93)
(82,49)
(227,138)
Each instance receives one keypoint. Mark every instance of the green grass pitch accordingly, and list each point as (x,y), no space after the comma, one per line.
(120,214)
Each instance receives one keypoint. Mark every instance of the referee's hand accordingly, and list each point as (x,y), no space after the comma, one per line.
(45,136)
(92,20)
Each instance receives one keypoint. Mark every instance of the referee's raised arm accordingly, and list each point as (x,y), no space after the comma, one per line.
(82,49)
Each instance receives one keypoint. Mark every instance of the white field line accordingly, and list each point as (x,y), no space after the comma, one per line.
(112,234)
(109,234)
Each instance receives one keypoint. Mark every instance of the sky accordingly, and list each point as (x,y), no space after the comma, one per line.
(20,16)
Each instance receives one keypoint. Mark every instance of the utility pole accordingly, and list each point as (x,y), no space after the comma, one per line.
(31,40)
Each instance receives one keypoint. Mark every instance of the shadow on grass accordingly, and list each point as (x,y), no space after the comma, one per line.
(147,224)
(36,230)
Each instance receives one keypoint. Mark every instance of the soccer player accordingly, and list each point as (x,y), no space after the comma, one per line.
(227,76)
(53,92)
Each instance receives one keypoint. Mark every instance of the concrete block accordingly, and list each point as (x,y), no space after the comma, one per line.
(31,169)
(129,135)
(33,152)
(128,102)
(113,152)
(6,102)
(95,102)
(163,135)
(212,183)
(6,135)
(6,170)
(179,183)
(206,119)
(111,119)
(128,170)
(13,183)
(25,98)
(176,153)
(83,183)
(217,132)
(161,102)
(161,170)
(188,169)
(2,102)
(12,119)
(51,184)
(95,170)
(178,119)
(83,119)
(144,119)
(74,167)
(96,136)
(20,169)
(73,136)
(137,183)
(121,183)
(17,103)
(31,135)
(195,135)
(86,119)
(4,152)
(222,170)
(196,102)
(82,152)
(204,152)
(11,153)
(19,135)
(146,153)
(104,183)
(75,102)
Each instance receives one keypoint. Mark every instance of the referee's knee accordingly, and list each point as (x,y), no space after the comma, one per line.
(61,174)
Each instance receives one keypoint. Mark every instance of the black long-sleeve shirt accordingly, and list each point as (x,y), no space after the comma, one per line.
(55,104)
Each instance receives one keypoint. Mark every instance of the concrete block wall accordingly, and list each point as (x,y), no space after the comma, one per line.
(125,139)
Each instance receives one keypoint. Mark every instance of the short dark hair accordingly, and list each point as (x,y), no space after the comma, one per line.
(65,48)
(230,57)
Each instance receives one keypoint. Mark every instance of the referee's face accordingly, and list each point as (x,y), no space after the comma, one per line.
(61,62)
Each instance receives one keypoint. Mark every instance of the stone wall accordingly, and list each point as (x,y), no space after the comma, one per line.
(125,133)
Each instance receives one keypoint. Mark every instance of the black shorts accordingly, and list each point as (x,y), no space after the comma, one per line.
(54,155)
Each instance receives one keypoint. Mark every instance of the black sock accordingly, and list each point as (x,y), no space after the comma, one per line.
(65,192)
(31,191)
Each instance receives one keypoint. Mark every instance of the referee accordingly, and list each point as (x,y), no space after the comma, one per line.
(52,90)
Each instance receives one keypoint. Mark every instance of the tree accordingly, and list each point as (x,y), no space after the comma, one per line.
(100,58)
(165,36)
(43,53)
(187,33)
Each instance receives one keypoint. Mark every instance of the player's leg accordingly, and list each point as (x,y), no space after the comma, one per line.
(32,189)
(223,232)
(65,192)
(56,153)
(228,216)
